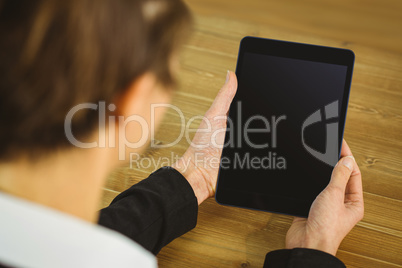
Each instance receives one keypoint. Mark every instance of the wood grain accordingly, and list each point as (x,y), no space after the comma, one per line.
(233,237)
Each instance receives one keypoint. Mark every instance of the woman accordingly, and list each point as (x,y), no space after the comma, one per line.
(60,55)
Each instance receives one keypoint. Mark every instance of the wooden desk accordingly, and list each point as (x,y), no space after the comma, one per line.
(233,237)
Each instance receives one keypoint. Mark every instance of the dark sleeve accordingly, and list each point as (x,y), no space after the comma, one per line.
(301,258)
(154,211)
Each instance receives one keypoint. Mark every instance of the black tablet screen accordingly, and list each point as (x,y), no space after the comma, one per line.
(284,132)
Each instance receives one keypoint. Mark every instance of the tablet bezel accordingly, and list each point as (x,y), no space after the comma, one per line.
(299,51)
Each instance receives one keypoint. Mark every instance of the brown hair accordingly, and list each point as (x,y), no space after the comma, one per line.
(57,54)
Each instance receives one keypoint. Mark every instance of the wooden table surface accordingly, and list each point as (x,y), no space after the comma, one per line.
(234,237)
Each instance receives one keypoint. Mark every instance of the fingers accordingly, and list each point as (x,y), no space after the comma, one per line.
(222,102)
(355,185)
(298,219)
(341,173)
(354,194)
(347,152)
(345,149)
(346,176)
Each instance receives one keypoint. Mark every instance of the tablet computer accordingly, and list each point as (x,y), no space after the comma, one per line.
(285,125)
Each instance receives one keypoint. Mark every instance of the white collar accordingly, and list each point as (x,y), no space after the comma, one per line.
(32,235)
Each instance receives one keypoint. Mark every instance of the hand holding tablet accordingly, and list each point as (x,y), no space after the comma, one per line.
(335,211)
(285,125)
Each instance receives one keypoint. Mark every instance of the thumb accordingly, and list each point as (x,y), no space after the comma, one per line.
(222,102)
(341,173)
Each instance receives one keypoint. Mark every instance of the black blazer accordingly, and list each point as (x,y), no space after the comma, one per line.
(163,207)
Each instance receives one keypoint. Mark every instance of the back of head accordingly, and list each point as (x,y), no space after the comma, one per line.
(57,54)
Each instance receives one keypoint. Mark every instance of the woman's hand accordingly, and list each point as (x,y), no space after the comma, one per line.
(335,211)
(200,163)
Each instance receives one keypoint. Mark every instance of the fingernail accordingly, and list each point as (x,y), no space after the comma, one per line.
(348,161)
(227,77)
